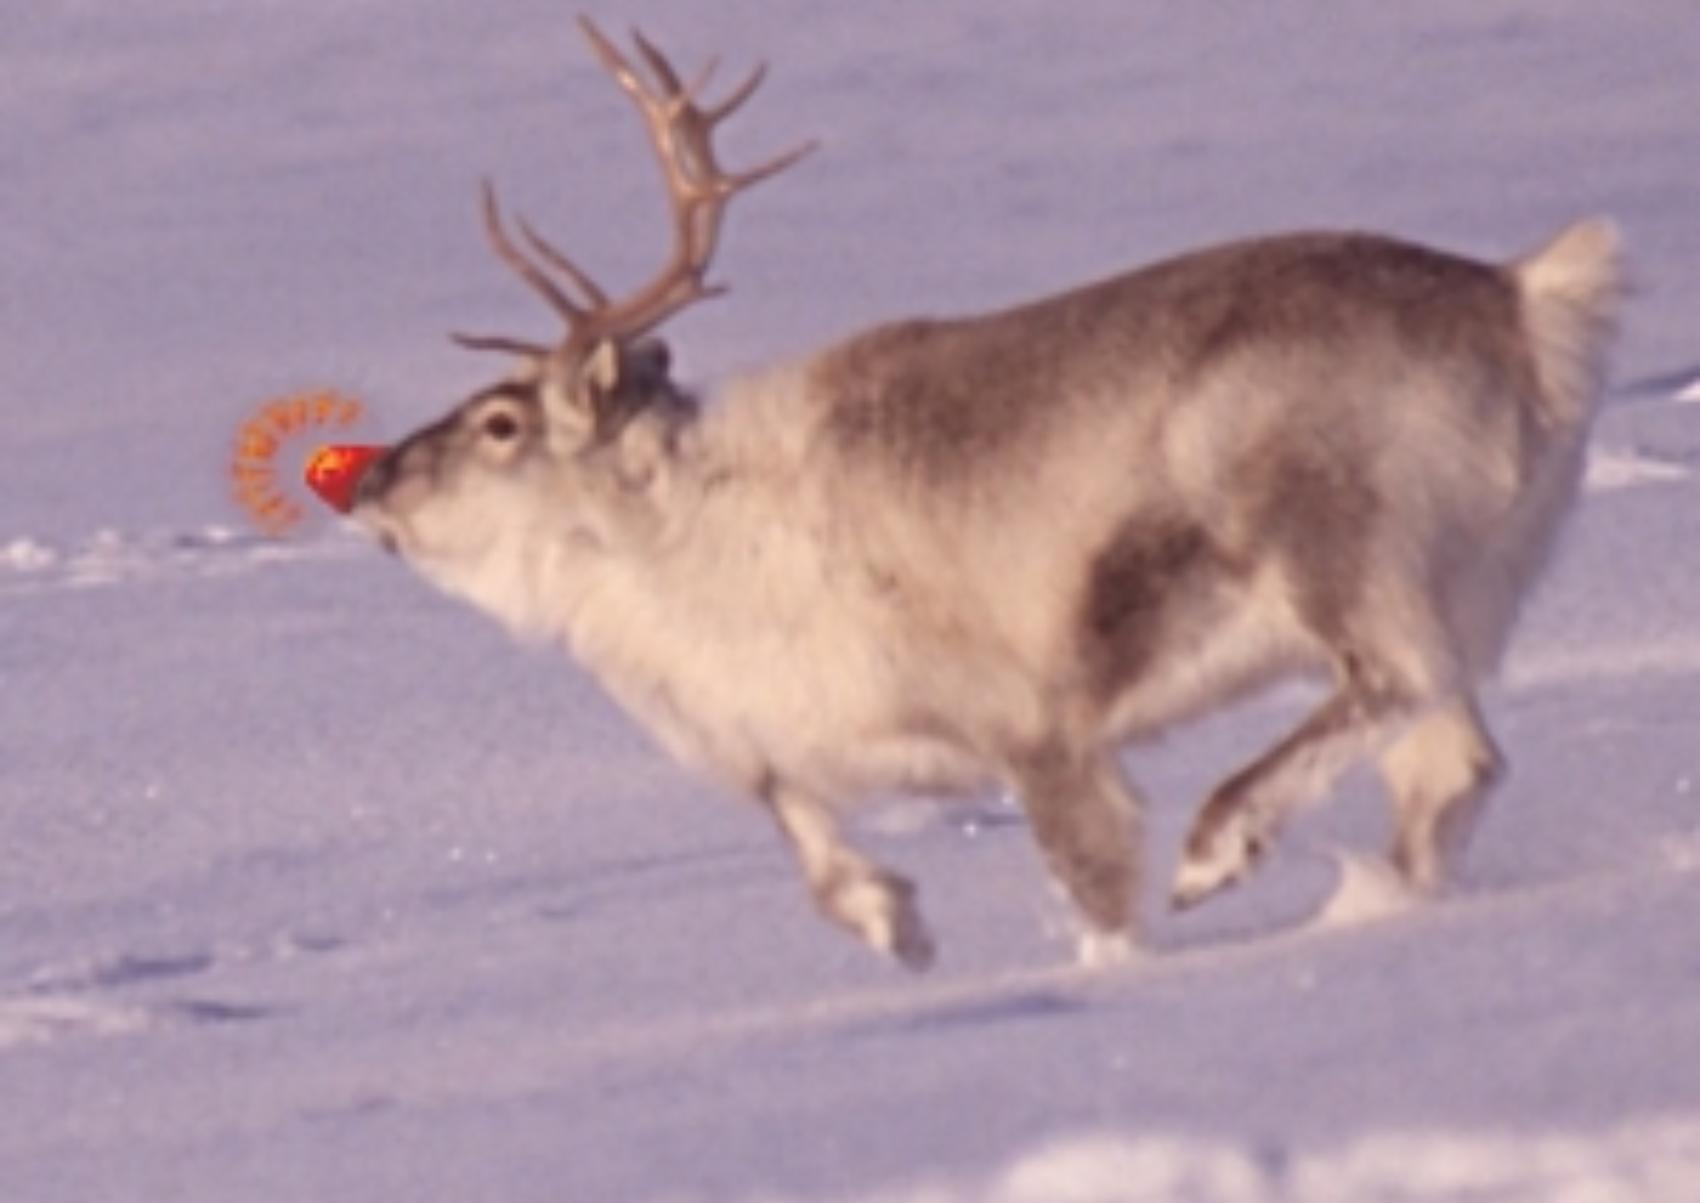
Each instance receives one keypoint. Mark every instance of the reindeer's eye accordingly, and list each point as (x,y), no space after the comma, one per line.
(501,426)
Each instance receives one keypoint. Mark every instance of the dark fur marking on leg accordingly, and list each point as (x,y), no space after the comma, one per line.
(1131,584)
(1318,507)
(1087,830)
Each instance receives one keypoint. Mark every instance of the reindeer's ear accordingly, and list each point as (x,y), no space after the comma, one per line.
(604,370)
(580,393)
(569,389)
(635,370)
(647,362)
(592,398)
(613,385)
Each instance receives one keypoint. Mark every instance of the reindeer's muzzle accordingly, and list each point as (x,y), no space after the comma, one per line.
(375,480)
(368,503)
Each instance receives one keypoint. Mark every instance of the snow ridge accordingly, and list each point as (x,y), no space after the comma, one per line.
(1653,1160)
(29,564)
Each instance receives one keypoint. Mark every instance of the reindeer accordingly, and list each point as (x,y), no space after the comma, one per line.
(944,555)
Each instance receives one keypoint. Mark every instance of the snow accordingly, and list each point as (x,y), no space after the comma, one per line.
(1631,1161)
(1367,890)
(1612,468)
(314,886)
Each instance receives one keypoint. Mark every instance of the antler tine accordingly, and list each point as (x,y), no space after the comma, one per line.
(498,342)
(571,312)
(676,96)
(741,93)
(659,112)
(671,87)
(558,259)
(775,165)
(618,65)
(699,85)
(715,114)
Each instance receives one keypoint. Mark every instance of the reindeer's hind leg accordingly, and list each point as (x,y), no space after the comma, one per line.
(875,904)
(1245,812)
(1086,819)
(1439,773)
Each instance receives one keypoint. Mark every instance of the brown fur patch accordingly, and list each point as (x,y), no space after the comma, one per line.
(1317,511)
(1132,585)
(1307,287)
(934,395)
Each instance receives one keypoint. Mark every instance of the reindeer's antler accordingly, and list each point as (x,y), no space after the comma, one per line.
(698,190)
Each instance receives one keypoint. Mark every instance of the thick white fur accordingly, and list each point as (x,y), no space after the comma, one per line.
(725,605)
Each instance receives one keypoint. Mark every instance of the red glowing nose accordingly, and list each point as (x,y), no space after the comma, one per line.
(333,472)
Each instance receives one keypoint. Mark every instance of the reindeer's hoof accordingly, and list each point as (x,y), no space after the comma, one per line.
(1190,889)
(1212,865)
(880,909)
(912,944)
(1096,949)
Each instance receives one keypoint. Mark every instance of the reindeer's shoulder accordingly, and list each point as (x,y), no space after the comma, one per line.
(930,393)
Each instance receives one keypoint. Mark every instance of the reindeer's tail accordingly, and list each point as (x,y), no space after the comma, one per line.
(1572,289)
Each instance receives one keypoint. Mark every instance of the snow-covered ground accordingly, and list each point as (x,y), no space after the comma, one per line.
(314,887)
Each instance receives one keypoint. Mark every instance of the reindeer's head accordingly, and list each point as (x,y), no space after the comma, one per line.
(479,494)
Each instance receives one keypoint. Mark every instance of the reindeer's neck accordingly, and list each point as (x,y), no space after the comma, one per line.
(696,569)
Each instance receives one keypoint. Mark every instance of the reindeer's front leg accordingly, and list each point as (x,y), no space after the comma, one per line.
(874,903)
(1086,819)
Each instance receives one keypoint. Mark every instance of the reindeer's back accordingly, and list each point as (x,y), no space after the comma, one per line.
(941,399)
